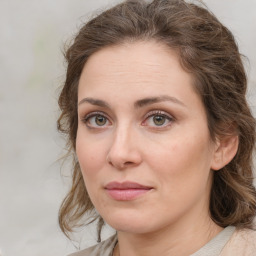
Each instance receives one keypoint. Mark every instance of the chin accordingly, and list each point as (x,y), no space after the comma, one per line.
(132,222)
(130,227)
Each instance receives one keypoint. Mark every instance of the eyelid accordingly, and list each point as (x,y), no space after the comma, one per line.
(94,113)
(159,112)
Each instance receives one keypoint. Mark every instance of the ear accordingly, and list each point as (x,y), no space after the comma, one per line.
(225,151)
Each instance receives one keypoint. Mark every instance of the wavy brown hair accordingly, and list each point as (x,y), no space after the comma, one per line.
(208,51)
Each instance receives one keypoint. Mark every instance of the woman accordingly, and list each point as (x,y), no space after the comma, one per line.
(155,112)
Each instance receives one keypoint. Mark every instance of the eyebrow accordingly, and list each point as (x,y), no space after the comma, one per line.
(153,100)
(138,104)
(96,102)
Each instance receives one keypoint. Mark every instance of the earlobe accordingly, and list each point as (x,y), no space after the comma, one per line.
(225,151)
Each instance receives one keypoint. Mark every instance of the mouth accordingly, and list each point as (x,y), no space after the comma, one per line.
(126,191)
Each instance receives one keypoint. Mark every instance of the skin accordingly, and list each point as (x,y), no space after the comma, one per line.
(175,158)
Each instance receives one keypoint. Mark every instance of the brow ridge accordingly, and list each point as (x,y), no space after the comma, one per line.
(153,100)
(96,102)
(138,104)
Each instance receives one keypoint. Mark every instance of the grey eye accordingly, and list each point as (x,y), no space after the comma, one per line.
(159,120)
(100,120)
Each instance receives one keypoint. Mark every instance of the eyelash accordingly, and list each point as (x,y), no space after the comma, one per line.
(160,113)
(153,113)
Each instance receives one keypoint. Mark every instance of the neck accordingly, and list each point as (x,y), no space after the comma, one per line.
(181,241)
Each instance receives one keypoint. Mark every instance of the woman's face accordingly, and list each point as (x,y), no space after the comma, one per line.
(142,141)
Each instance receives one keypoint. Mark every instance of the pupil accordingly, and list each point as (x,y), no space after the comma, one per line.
(159,120)
(100,120)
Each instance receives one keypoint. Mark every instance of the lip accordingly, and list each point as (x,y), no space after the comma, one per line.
(126,191)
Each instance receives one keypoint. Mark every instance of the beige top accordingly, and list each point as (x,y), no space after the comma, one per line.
(229,242)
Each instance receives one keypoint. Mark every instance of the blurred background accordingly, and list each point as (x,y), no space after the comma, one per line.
(32,68)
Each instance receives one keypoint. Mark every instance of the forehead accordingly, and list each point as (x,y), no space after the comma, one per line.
(141,66)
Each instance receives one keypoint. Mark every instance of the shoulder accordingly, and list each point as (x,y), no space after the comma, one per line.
(242,242)
(105,248)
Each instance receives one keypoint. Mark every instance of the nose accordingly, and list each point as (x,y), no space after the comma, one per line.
(124,150)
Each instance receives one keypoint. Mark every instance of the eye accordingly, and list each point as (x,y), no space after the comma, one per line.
(157,119)
(96,120)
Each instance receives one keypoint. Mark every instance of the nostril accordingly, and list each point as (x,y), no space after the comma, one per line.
(124,157)
(128,163)
(119,163)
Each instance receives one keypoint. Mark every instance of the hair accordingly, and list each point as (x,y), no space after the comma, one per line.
(208,51)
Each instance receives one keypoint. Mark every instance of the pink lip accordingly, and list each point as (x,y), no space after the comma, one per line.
(126,191)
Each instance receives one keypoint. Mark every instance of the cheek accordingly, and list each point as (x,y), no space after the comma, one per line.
(90,155)
(184,177)
(182,162)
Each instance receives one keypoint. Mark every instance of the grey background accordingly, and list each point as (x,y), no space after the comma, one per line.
(32,35)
